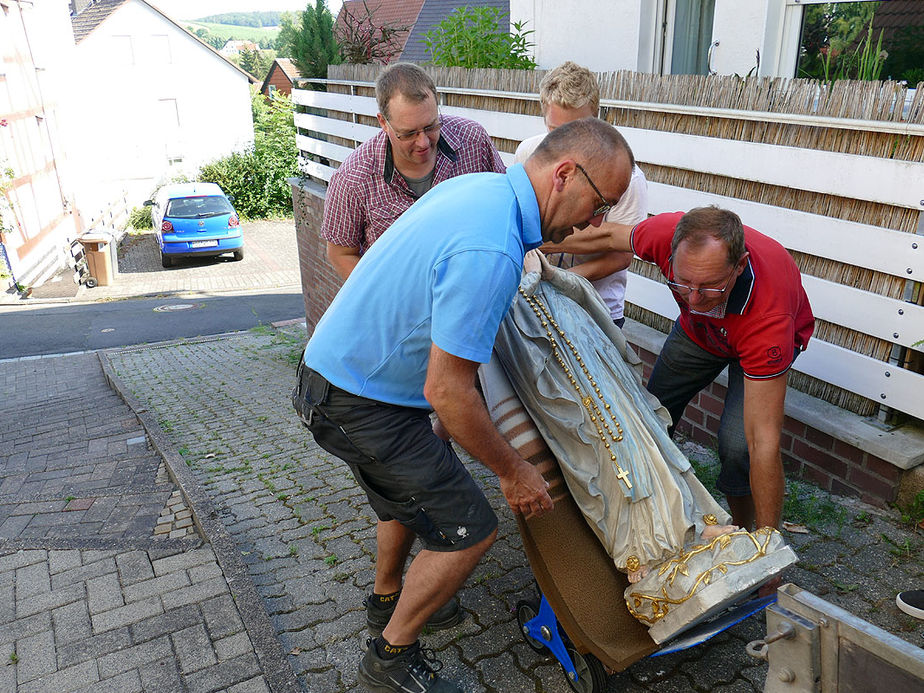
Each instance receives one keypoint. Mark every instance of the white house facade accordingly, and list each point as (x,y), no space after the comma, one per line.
(152,102)
(37,219)
(668,36)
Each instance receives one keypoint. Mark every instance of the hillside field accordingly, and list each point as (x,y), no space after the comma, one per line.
(230,31)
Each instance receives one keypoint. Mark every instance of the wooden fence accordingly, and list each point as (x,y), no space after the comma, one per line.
(836,176)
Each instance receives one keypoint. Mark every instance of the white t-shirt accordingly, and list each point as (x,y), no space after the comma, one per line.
(631,209)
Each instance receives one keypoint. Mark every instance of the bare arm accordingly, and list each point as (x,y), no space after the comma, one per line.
(763,425)
(450,389)
(607,238)
(342,258)
(603,265)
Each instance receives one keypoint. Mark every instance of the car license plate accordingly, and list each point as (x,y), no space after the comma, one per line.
(203,244)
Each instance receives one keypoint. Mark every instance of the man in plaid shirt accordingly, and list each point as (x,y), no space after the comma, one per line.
(385,175)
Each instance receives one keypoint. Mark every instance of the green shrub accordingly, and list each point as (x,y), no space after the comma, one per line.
(256,177)
(140,218)
(473,37)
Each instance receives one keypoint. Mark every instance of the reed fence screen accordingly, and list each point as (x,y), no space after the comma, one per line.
(834,173)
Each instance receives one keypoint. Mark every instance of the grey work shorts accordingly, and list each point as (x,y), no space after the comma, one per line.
(407,472)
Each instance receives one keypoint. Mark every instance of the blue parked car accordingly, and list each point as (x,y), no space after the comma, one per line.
(195,220)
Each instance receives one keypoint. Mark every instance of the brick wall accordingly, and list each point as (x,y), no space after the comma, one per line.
(807,452)
(320,282)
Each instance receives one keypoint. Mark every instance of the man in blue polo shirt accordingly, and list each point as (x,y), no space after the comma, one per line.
(405,335)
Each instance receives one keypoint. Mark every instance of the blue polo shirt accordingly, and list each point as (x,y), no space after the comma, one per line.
(444,273)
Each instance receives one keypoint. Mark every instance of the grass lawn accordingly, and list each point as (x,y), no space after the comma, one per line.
(230,31)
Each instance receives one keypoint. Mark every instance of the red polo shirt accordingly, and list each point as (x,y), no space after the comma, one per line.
(768,319)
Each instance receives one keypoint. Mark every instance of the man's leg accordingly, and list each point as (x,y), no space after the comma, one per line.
(734,479)
(432,579)
(393,545)
(683,368)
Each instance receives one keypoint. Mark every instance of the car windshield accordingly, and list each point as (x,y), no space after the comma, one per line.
(198,207)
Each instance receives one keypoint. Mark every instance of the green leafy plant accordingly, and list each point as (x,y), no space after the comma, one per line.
(331,560)
(257,177)
(473,37)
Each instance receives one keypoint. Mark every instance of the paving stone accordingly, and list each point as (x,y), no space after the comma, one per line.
(47,601)
(36,656)
(163,585)
(223,674)
(254,685)
(194,649)
(71,623)
(126,615)
(104,593)
(70,679)
(161,676)
(221,616)
(134,566)
(183,561)
(59,561)
(94,565)
(233,646)
(195,593)
(170,621)
(134,657)
(93,647)
(127,682)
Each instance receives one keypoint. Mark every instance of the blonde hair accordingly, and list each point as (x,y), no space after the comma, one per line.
(569,85)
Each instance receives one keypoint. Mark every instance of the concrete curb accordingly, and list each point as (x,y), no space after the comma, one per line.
(276,669)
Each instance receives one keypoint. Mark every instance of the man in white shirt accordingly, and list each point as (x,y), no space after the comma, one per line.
(567,93)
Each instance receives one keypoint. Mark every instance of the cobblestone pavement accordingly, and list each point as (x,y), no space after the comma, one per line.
(270,261)
(303,528)
(105,582)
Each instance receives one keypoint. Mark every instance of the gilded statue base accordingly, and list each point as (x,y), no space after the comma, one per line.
(705,579)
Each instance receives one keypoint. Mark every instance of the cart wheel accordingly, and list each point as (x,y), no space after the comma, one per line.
(91,282)
(527,609)
(590,671)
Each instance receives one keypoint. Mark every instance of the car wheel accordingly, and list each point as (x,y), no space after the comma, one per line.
(166,260)
(238,254)
(91,282)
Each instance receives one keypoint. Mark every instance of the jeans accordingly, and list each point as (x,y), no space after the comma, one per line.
(683,369)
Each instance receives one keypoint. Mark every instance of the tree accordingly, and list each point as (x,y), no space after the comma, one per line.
(256,62)
(308,39)
(364,41)
(474,38)
(257,176)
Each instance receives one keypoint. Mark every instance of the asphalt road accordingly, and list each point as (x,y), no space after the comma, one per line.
(68,328)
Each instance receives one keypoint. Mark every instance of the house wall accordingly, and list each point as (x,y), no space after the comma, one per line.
(625,34)
(36,47)
(279,80)
(154,102)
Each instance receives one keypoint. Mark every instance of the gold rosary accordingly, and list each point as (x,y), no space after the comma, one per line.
(597,416)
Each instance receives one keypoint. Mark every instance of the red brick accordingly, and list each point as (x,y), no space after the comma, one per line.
(797,428)
(685,427)
(872,485)
(819,458)
(886,470)
(785,442)
(711,404)
(702,437)
(792,465)
(840,488)
(848,452)
(816,476)
(718,391)
(819,439)
(694,415)
(712,425)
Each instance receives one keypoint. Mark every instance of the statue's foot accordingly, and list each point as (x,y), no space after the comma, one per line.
(636,575)
(713,531)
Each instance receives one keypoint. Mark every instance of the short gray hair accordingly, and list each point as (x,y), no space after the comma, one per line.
(407,79)
(701,223)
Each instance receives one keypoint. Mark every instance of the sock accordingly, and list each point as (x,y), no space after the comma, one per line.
(386,650)
(385,600)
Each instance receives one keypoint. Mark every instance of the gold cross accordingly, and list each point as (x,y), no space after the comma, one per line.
(624,475)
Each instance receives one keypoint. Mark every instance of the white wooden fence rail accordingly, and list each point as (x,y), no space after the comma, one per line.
(847,175)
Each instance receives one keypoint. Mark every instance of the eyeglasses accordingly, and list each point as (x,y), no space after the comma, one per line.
(412,134)
(606,206)
(684,290)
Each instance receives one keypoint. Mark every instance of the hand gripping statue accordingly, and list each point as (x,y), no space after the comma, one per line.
(570,367)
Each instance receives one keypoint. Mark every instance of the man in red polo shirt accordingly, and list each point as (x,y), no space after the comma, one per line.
(742,305)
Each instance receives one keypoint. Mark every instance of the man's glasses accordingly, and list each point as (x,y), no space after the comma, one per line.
(606,206)
(412,134)
(684,290)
